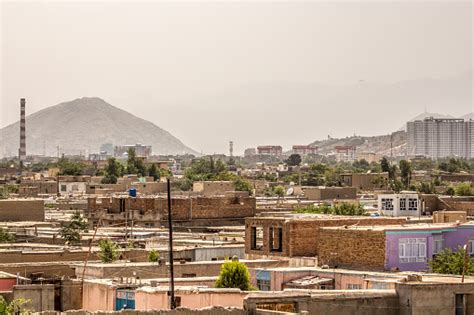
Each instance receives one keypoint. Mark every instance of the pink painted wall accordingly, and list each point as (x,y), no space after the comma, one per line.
(146,300)
(98,297)
(7,284)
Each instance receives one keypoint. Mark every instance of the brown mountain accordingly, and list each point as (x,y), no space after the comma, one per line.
(83,125)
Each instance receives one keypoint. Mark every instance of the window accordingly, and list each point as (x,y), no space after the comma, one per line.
(471,247)
(412,250)
(403,204)
(256,236)
(438,244)
(353,286)
(412,204)
(276,239)
(263,285)
(460,310)
(380,286)
(387,204)
(75,188)
(63,187)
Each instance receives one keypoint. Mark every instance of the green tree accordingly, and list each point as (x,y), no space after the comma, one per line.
(153,256)
(343,208)
(361,165)
(426,188)
(131,161)
(450,191)
(234,274)
(113,170)
(405,172)
(17,306)
(279,191)
(243,185)
(71,232)
(109,251)
(396,185)
(464,189)
(451,262)
(71,168)
(294,160)
(386,167)
(6,237)
(153,171)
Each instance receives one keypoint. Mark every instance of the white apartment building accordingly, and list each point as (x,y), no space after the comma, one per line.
(440,138)
(345,153)
(396,205)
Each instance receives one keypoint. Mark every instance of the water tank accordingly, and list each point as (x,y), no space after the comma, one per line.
(132,192)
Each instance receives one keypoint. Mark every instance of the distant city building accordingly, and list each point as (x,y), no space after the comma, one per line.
(120,151)
(403,204)
(440,138)
(250,151)
(275,150)
(345,153)
(108,148)
(102,156)
(305,149)
(369,156)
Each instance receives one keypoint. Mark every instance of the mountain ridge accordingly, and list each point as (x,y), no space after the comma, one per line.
(83,125)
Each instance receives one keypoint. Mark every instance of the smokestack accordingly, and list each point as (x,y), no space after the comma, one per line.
(231,148)
(22,151)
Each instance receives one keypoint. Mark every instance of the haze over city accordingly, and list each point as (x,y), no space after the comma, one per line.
(255,73)
(236,157)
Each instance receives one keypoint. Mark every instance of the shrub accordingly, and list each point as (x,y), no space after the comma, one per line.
(109,251)
(234,274)
(153,256)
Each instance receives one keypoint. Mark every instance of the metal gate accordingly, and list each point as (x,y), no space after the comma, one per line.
(125,299)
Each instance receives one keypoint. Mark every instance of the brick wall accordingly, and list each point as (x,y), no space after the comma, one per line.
(350,248)
(21,210)
(301,237)
(184,209)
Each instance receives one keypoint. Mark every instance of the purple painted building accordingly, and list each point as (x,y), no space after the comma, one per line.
(409,248)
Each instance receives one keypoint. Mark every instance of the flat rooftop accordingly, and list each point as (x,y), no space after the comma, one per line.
(427,278)
(417,226)
(313,216)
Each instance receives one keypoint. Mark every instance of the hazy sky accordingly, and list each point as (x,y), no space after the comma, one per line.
(251,72)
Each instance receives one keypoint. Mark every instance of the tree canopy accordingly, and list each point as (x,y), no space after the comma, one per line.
(451,262)
(294,160)
(109,251)
(343,208)
(71,232)
(234,274)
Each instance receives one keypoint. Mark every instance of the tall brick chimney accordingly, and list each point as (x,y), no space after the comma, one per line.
(22,151)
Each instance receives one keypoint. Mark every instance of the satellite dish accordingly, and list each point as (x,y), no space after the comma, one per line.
(289,192)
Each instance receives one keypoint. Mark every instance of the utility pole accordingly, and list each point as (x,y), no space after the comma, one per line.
(391,145)
(170,250)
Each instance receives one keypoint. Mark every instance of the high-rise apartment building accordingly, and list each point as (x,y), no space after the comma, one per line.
(440,138)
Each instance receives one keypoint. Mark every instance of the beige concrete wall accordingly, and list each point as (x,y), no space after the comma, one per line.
(449,216)
(40,297)
(426,298)
(212,188)
(330,193)
(353,306)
